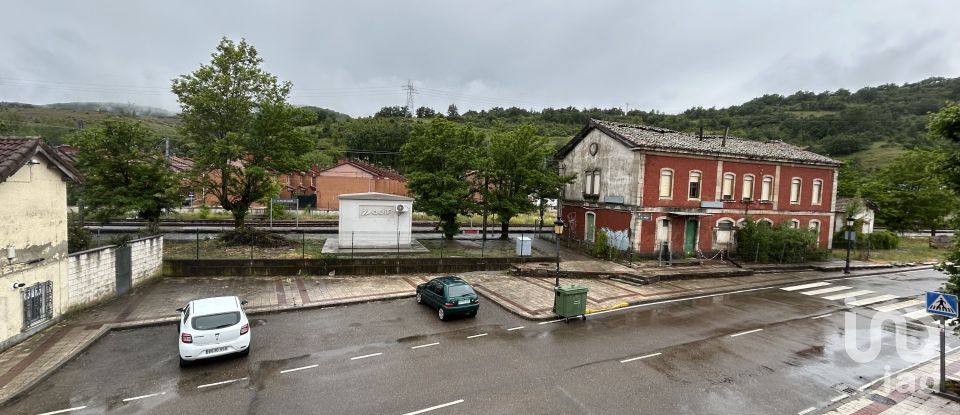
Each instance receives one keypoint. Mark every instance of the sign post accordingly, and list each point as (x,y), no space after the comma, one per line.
(944,306)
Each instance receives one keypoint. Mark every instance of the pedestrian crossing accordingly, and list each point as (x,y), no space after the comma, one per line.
(909,308)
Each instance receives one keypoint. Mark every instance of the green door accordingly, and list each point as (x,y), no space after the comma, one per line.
(690,237)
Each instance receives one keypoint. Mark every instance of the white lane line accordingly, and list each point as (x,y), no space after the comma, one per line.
(443,405)
(515,328)
(838,398)
(298,368)
(365,356)
(425,345)
(76,408)
(220,383)
(821,316)
(745,332)
(477,335)
(873,300)
(805,286)
(807,411)
(826,290)
(847,294)
(917,315)
(144,396)
(897,306)
(641,357)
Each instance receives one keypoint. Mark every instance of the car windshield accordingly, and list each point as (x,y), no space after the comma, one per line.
(459,290)
(216,321)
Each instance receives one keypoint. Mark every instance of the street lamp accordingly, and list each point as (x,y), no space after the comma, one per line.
(850,238)
(557,231)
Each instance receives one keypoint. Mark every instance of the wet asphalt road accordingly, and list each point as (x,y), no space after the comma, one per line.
(699,356)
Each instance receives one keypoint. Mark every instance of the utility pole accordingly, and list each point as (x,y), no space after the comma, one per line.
(166,151)
(411,91)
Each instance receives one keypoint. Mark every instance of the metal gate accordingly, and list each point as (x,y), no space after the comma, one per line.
(124,269)
(37,303)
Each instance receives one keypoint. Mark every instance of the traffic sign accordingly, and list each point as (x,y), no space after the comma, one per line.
(643,216)
(284,200)
(942,304)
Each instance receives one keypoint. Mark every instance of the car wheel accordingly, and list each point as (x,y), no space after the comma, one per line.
(440,313)
(419,298)
(184,363)
(245,352)
(474,314)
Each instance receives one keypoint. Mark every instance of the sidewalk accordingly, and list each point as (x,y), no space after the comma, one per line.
(906,393)
(32,360)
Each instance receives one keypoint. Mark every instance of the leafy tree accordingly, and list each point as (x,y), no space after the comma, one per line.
(452,111)
(518,171)
(396,111)
(376,139)
(946,122)
(237,121)
(438,159)
(911,192)
(124,171)
(426,112)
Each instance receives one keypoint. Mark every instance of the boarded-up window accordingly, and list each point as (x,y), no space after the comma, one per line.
(666,183)
(795,190)
(596,182)
(724,232)
(591,182)
(815,228)
(728,179)
(694,192)
(663,231)
(817,191)
(748,187)
(794,223)
(766,189)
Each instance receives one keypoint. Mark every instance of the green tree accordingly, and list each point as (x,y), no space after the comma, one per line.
(124,171)
(426,112)
(438,159)
(236,120)
(452,111)
(946,122)
(518,173)
(396,112)
(376,139)
(911,192)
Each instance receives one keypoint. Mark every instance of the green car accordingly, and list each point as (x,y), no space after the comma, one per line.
(450,295)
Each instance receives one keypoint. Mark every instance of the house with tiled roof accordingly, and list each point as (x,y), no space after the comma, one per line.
(346,177)
(655,190)
(33,235)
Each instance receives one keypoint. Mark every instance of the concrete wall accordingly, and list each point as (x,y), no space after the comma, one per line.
(92,275)
(341,266)
(147,257)
(374,223)
(618,165)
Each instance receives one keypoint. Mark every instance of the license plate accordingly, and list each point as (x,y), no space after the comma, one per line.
(215,350)
(462,302)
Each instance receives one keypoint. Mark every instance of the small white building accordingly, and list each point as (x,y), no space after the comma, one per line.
(865,215)
(375,220)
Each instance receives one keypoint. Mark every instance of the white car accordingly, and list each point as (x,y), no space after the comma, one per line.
(213,327)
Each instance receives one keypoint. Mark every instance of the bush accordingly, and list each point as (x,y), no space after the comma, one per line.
(204,211)
(884,240)
(250,236)
(601,249)
(763,243)
(78,237)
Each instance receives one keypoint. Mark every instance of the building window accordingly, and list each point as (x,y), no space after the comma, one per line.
(591,183)
(765,222)
(817,197)
(794,224)
(666,183)
(795,191)
(748,187)
(37,301)
(663,232)
(724,232)
(815,229)
(766,189)
(590,219)
(694,192)
(728,179)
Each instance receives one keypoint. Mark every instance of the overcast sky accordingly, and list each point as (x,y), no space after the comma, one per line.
(354,56)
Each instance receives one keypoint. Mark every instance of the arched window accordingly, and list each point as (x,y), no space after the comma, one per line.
(728,179)
(747,187)
(694,189)
(765,222)
(766,189)
(724,233)
(795,191)
(794,223)
(817,197)
(814,227)
(590,227)
(666,183)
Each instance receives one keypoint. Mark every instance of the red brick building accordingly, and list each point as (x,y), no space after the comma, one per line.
(651,187)
(348,176)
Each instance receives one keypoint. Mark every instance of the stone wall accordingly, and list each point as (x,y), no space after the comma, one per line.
(147,258)
(92,275)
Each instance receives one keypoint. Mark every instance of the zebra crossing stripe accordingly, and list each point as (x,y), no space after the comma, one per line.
(805,286)
(873,300)
(897,306)
(847,294)
(826,290)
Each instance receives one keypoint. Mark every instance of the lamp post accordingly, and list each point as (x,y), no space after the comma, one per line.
(850,238)
(557,231)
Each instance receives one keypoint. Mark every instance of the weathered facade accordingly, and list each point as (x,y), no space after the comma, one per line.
(652,189)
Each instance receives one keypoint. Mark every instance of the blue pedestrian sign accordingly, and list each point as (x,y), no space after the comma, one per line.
(942,304)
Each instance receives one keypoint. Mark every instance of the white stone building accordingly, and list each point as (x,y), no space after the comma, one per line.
(375,220)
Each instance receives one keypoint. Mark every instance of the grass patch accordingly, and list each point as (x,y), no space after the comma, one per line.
(217,249)
(471,248)
(910,250)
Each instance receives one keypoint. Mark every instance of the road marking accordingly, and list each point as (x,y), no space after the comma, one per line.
(872,300)
(425,345)
(838,398)
(917,315)
(805,286)
(911,367)
(847,294)
(827,290)
(76,408)
(641,357)
(807,411)
(365,356)
(897,306)
(477,335)
(298,368)
(821,316)
(515,328)
(144,396)
(745,332)
(444,405)
(220,383)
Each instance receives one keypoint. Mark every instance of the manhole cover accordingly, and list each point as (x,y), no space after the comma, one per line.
(881,399)
(843,387)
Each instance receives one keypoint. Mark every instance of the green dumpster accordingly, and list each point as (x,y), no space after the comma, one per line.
(570,301)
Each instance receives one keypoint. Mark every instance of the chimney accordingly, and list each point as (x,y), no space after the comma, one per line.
(723,143)
(701,132)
